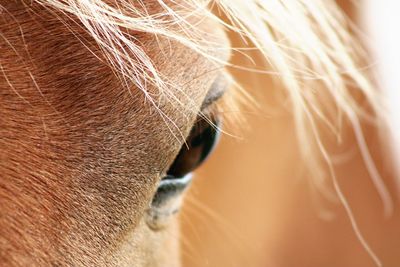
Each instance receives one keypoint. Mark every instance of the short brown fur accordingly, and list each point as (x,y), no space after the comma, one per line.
(80,154)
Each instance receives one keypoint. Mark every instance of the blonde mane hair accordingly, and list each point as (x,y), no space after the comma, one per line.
(308,44)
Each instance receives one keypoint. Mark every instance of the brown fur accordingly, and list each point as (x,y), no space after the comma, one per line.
(80,155)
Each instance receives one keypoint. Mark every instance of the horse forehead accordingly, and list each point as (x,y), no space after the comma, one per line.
(76,83)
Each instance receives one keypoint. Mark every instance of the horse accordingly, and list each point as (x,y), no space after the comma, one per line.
(108,106)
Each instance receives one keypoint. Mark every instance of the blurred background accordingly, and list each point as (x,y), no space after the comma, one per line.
(253,204)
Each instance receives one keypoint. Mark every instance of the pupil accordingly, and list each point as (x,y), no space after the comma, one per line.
(199,145)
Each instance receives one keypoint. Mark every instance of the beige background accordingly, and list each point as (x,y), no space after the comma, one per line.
(252,203)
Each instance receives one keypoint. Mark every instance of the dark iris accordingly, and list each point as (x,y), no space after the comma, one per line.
(198,147)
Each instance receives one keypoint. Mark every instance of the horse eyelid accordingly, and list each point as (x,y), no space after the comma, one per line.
(217,90)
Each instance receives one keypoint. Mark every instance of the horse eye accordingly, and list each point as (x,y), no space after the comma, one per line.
(199,145)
